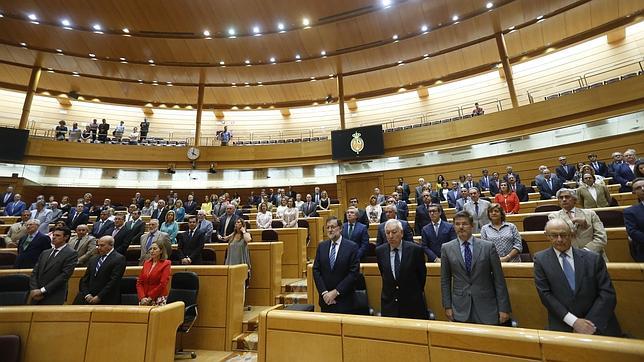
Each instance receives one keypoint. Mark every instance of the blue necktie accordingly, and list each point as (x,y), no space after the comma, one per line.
(99,263)
(350,231)
(149,242)
(332,255)
(396,263)
(468,256)
(568,272)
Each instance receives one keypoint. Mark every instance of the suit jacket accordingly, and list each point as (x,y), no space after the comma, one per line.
(73,221)
(15,208)
(27,258)
(190,207)
(592,237)
(363,218)
(494,188)
(53,273)
(521,192)
(106,282)
(122,240)
(158,235)
(478,296)
(460,203)
(432,243)
(139,203)
(516,177)
(452,197)
(406,191)
(481,218)
(191,247)
(310,210)
(218,209)
(566,173)
(222,229)
(419,194)
(359,236)
(159,215)
(6,195)
(593,298)
(612,168)
(600,168)
(105,229)
(546,191)
(422,218)
(403,209)
(484,184)
(634,222)
(588,202)
(44,217)
(470,184)
(136,230)
(85,247)
(153,283)
(381,238)
(342,277)
(622,175)
(403,296)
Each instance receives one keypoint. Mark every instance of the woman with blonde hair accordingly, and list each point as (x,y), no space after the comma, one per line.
(170,226)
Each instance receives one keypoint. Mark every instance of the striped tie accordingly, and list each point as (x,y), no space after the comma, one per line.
(332,255)
(99,263)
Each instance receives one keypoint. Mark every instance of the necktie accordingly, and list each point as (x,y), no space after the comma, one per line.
(568,272)
(468,256)
(190,235)
(332,254)
(53,254)
(476,208)
(149,242)
(396,263)
(27,242)
(436,229)
(100,225)
(99,263)
(550,184)
(350,230)
(116,231)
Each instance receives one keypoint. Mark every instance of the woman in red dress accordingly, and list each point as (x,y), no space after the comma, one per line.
(152,284)
(508,199)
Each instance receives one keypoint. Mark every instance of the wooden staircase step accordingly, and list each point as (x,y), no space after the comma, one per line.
(292,298)
(246,341)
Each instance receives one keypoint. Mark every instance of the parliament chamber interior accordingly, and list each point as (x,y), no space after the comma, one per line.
(365,180)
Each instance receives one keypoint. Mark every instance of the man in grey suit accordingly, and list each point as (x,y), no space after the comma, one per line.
(153,235)
(472,282)
(477,207)
(464,197)
(574,286)
(204,225)
(84,244)
(48,281)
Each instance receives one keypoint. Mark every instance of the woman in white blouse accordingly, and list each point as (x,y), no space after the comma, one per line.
(280,209)
(264,218)
(289,217)
(373,210)
(599,179)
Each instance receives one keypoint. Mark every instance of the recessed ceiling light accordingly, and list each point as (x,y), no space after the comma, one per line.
(489,5)
(426,55)
(280,26)
(247,61)
(96,27)
(272,60)
(23,44)
(221,62)
(65,22)
(386,3)
(306,22)
(455,17)
(59,50)
(206,33)
(92,55)
(1,15)
(297,56)
(539,17)
(32,17)
(76,74)
(424,28)
(323,53)
(140,80)
(121,58)
(231,31)
(169,84)
(511,28)
(151,61)
(50,70)
(256,29)
(126,30)
(400,61)
(395,37)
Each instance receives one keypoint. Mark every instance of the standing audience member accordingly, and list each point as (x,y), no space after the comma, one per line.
(599,167)
(225,136)
(191,243)
(518,188)
(179,210)
(373,210)
(472,282)
(565,172)
(477,208)
(147,208)
(75,133)
(206,205)
(478,110)
(119,130)
(289,217)
(264,218)
(190,205)
(121,235)
(238,245)
(31,245)
(309,208)
(152,283)
(102,130)
(588,230)
(136,228)
(453,195)
(508,199)
(574,286)
(134,136)
(510,172)
(17,231)
(504,235)
(402,268)
(634,222)
(356,232)
(77,217)
(335,270)
(592,195)
(145,128)
(485,180)
(227,222)
(436,233)
(93,127)
(548,185)
(204,225)
(43,215)
(61,131)
(464,197)
(404,195)
(392,213)
(153,236)
(7,196)
(102,279)
(50,275)
(160,212)
(84,244)
(15,207)
(587,169)
(624,174)
(103,226)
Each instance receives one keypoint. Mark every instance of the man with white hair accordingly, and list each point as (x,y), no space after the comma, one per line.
(153,236)
(588,229)
(42,214)
(625,173)
(31,245)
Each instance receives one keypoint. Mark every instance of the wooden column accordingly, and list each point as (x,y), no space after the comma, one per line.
(29,97)
(340,82)
(507,70)
(199,112)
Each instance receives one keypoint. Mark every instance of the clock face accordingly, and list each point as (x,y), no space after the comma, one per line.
(193,153)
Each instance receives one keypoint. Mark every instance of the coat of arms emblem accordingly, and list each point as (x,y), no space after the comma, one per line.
(357,143)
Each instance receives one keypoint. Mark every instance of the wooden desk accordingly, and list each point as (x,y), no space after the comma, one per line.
(294,256)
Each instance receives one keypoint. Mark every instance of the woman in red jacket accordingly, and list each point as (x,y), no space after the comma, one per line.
(152,284)
(508,199)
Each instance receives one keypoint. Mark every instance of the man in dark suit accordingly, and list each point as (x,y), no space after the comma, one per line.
(469,182)
(335,269)
(48,281)
(191,243)
(565,171)
(419,190)
(453,194)
(634,222)
(624,174)
(600,167)
(472,282)
(549,185)
(135,227)
(204,225)
(574,286)
(31,245)
(138,201)
(121,235)
(101,282)
(190,206)
(6,197)
(400,214)
(485,180)
(389,213)
(160,212)
(617,160)
(362,214)
(15,207)
(404,196)
(356,232)
(435,234)
(495,184)
(227,222)
(403,272)
(309,208)
(103,226)
(521,191)
(422,212)
(509,172)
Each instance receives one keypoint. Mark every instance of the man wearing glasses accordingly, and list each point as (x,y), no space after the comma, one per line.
(574,285)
